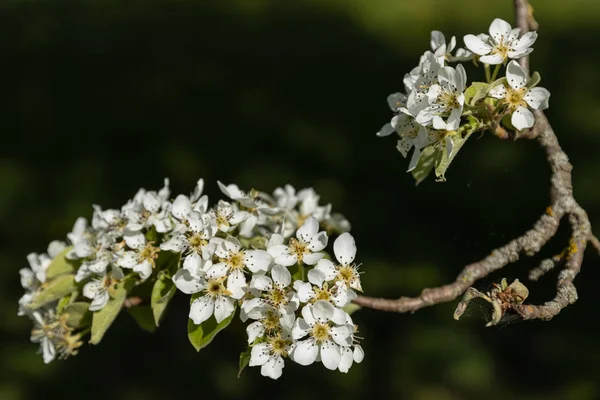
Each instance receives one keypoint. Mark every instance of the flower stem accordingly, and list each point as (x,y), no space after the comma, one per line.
(495,74)
(487,73)
(301,270)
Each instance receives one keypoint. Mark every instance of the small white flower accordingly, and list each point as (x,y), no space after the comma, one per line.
(98,289)
(346,272)
(273,299)
(235,261)
(502,43)
(269,355)
(193,238)
(327,333)
(304,248)
(227,217)
(518,96)
(446,97)
(42,333)
(142,258)
(317,288)
(192,277)
(441,49)
(217,300)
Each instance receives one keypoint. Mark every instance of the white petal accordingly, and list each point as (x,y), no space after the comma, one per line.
(92,288)
(254,330)
(257,260)
(476,45)
(281,276)
(312,258)
(181,207)
(99,265)
(385,130)
(236,284)
(437,39)
(359,354)
(537,98)
(201,309)
(304,291)
(99,301)
(224,306)
(497,92)
(322,310)
(48,350)
(286,260)
(346,360)
(55,247)
(522,118)
(300,329)
(307,314)
(326,267)
(330,355)
(449,146)
(414,160)
(344,248)
(276,250)
(305,352)
(259,354)
(318,242)
(492,59)
(187,283)
(516,75)
(309,228)
(316,277)
(500,29)
(238,217)
(193,263)
(217,271)
(176,244)
(339,316)
(342,334)
(144,269)
(134,240)
(273,368)
(525,41)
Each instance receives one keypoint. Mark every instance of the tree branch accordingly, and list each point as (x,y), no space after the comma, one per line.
(562,204)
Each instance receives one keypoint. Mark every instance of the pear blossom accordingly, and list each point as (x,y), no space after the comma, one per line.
(518,96)
(192,277)
(305,248)
(192,239)
(42,333)
(442,49)
(503,42)
(141,258)
(151,208)
(236,261)
(272,294)
(317,288)
(98,289)
(217,299)
(227,217)
(445,97)
(346,271)
(183,205)
(269,355)
(325,333)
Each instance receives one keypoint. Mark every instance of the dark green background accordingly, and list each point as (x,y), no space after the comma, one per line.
(99,98)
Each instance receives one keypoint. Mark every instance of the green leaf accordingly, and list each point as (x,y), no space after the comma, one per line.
(62,303)
(60,265)
(440,169)
(54,290)
(201,335)
(103,319)
(78,315)
(427,161)
(144,317)
(244,361)
(534,80)
(351,308)
(476,91)
(162,292)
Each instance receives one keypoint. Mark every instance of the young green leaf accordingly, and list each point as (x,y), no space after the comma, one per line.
(440,169)
(54,290)
(162,292)
(201,335)
(244,361)
(60,265)
(429,157)
(78,315)
(534,80)
(474,92)
(103,319)
(144,317)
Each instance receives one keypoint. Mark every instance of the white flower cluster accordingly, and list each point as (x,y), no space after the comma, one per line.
(264,254)
(433,108)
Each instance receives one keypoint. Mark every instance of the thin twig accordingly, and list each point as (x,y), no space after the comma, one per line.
(563,203)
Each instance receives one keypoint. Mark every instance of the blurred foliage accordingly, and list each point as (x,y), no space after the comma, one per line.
(101,98)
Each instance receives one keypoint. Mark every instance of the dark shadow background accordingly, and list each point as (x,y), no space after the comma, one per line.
(101,98)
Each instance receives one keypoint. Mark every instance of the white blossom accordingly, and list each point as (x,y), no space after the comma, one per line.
(325,331)
(518,97)
(442,49)
(305,248)
(503,42)
(217,299)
